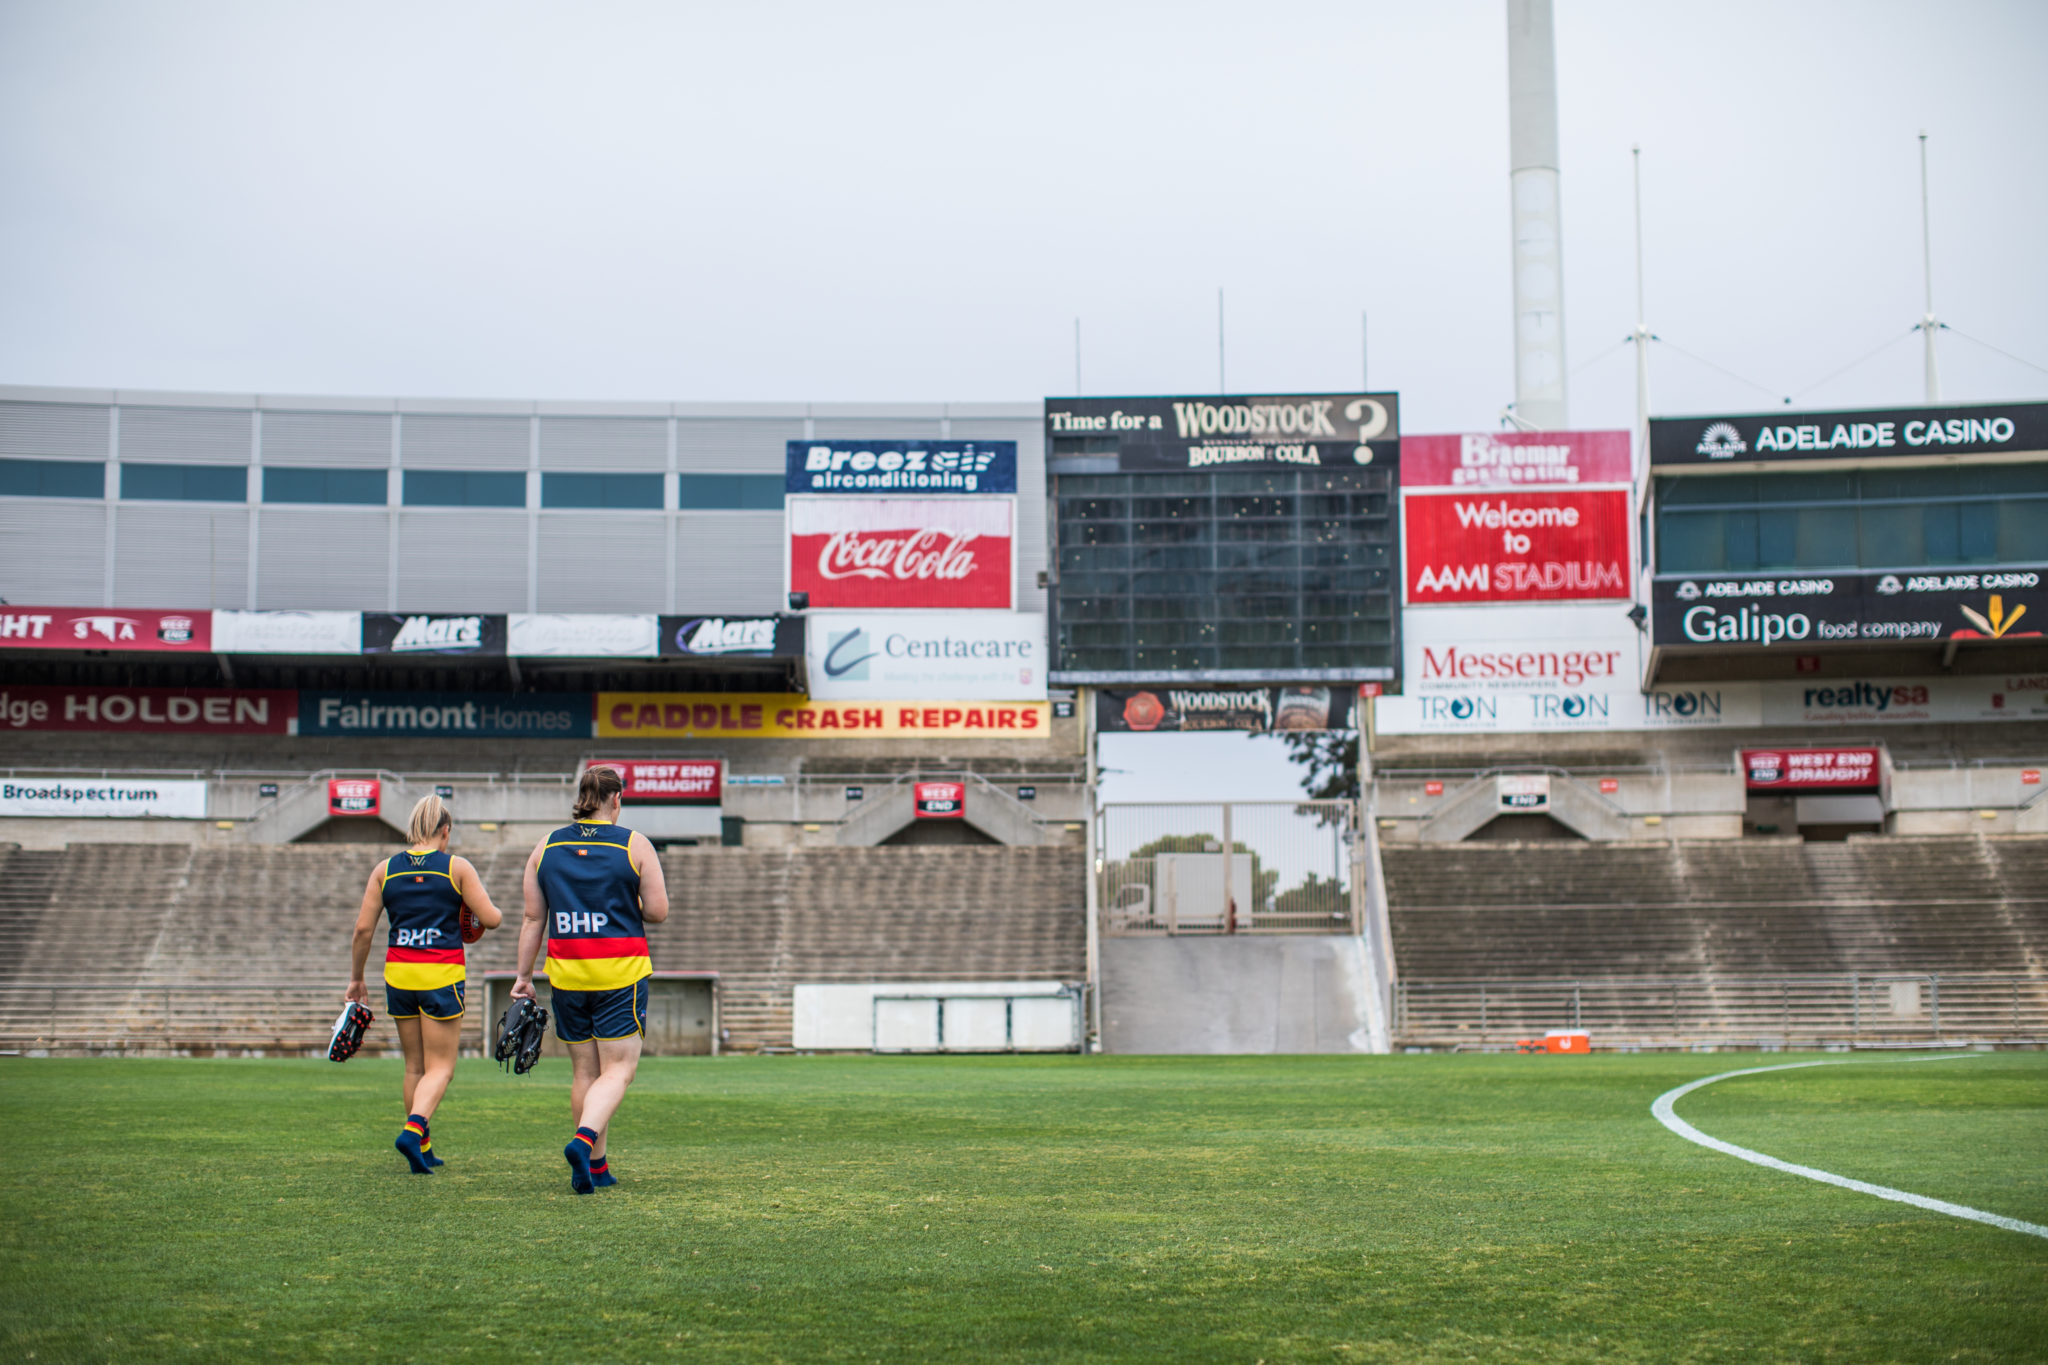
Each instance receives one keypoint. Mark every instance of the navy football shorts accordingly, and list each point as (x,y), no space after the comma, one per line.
(442,1003)
(584,1016)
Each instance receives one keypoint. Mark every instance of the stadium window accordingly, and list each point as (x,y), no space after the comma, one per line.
(365,486)
(601,490)
(185,482)
(464,488)
(730,492)
(53,478)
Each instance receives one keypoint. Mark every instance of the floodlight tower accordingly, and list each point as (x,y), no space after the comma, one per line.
(1533,181)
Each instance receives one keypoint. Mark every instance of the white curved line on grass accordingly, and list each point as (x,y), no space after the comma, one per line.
(1666,1115)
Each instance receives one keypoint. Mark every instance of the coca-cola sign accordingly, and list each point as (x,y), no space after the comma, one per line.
(902,552)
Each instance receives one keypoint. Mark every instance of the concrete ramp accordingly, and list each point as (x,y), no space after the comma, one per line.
(1239,994)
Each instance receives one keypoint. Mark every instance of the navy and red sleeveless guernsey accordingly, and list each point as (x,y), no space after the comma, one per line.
(425,909)
(596,938)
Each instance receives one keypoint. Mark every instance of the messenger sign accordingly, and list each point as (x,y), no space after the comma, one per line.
(939,656)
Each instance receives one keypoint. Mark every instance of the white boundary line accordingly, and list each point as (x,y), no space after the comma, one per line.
(1665,1114)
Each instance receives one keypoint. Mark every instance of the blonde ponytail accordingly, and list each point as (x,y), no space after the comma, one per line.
(429,818)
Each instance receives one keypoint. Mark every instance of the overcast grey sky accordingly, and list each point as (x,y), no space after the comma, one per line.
(895,201)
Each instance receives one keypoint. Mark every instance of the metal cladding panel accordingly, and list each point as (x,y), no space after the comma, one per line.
(734,445)
(180,555)
(187,435)
(462,560)
(875,428)
(348,439)
(53,552)
(437,441)
(603,443)
(1029,434)
(603,561)
(61,429)
(333,558)
(729,562)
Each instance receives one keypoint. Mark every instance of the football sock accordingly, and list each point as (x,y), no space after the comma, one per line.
(601,1173)
(408,1144)
(427,1150)
(577,1153)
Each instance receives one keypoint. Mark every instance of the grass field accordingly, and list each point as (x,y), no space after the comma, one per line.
(1227,1209)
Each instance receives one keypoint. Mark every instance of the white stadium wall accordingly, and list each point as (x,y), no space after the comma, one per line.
(94,547)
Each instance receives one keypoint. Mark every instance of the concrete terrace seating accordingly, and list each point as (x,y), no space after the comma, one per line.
(1467,911)
(153,921)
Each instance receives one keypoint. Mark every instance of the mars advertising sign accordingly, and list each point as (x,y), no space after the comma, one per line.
(1162,435)
(108,628)
(1766,611)
(1568,545)
(902,552)
(1515,459)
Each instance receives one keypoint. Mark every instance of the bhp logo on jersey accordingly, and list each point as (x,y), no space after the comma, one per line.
(417,938)
(574,924)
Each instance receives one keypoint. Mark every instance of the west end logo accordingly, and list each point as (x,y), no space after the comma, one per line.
(1721,441)
(843,658)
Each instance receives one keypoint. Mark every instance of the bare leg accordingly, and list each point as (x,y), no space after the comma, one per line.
(440,1037)
(583,1067)
(617,1059)
(415,1058)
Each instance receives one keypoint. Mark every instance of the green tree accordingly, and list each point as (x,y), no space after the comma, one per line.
(1331,758)
(1137,869)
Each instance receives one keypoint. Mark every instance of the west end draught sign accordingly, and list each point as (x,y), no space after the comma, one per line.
(1209,431)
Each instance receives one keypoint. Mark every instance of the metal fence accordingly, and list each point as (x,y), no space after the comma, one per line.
(1242,867)
(87,1016)
(1819,1009)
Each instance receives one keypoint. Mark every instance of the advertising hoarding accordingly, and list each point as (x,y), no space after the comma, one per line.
(105,628)
(778,715)
(288,632)
(122,799)
(856,553)
(1806,770)
(1538,648)
(1559,546)
(939,800)
(1860,435)
(1205,431)
(906,466)
(354,795)
(732,637)
(942,656)
(1255,710)
(1860,702)
(1522,791)
(426,633)
(669,782)
(465,715)
(150,710)
(1515,459)
(549,635)
(1721,612)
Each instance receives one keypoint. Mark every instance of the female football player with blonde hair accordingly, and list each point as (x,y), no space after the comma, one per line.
(436,903)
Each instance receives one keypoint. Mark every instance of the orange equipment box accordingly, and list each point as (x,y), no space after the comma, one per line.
(1567,1040)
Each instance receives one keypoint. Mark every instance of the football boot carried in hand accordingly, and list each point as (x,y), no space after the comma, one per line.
(355,1020)
(521,1030)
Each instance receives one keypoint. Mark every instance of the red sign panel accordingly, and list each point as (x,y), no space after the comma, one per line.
(1795,770)
(2030,777)
(940,800)
(1432,788)
(353,795)
(105,628)
(1515,459)
(902,552)
(1517,547)
(149,710)
(1610,785)
(671,782)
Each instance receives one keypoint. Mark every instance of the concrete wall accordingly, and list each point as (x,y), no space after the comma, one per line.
(1248,993)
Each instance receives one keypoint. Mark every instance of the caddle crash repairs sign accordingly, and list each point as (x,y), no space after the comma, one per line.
(777,715)
(1164,435)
